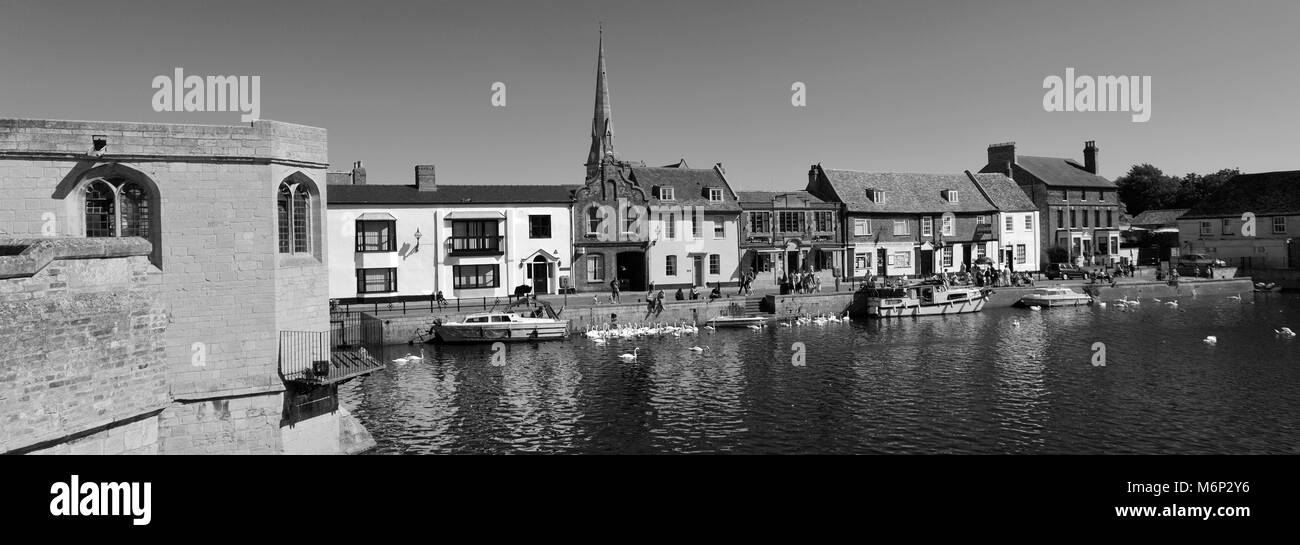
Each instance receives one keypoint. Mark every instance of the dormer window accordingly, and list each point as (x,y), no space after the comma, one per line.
(950,195)
(666,194)
(715,194)
(877,196)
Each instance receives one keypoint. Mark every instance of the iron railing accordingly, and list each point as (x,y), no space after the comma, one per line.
(407,304)
(307,357)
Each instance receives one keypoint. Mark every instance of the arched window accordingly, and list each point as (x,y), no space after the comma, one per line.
(117,207)
(293,205)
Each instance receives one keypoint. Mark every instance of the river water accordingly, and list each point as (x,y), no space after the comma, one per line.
(1005,380)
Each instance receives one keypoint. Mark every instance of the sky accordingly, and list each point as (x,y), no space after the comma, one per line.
(917,86)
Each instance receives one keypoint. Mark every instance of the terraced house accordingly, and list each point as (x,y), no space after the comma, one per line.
(901,224)
(1079,209)
(466,241)
(783,233)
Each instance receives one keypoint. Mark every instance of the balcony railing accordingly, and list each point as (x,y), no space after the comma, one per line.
(307,357)
(474,245)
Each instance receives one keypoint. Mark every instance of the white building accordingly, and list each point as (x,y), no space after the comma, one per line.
(1016,223)
(462,240)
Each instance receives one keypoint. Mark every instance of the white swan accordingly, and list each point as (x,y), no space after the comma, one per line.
(632,356)
(1211,340)
(1285,332)
(1101,304)
(1234,297)
(1035,307)
(698,348)
(786,324)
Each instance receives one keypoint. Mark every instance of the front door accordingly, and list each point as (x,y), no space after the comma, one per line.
(882,263)
(541,276)
(699,270)
(1009,259)
(927,262)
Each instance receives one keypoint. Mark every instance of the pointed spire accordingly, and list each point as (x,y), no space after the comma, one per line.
(602,123)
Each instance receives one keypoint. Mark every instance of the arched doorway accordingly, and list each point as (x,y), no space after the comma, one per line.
(629,269)
(541,273)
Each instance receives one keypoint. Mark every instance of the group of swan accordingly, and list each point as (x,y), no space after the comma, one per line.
(629,331)
(820,319)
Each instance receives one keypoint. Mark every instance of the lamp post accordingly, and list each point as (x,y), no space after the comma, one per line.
(417,240)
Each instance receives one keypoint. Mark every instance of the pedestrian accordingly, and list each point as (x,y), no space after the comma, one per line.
(613,290)
(695,292)
(680,295)
(717,291)
(1209,271)
(442,301)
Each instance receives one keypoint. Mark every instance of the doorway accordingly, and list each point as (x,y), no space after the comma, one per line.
(541,275)
(629,269)
(927,262)
(698,263)
(882,262)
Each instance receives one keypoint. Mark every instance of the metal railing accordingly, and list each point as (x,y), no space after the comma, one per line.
(308,357)
(406,304)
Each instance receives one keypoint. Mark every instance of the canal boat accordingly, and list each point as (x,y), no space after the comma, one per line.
(924,299)
(1054,297)
(488,327)
(737,321)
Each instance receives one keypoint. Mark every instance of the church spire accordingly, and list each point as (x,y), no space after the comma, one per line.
(602,124)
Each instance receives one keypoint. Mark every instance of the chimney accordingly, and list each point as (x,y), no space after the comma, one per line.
(358,174)
(1002,156)
(720,169)
(812,176)
(425,179)
(1090,156)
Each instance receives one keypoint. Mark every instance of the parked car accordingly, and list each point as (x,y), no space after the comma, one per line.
(1063,270)
(1200,260)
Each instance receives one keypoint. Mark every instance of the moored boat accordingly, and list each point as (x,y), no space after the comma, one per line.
(485,327)
(1054,297)
(923,299)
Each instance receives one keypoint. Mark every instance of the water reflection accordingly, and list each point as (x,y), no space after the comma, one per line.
(1001,381)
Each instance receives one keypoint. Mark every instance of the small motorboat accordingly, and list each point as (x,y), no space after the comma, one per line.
(736,321)
(488,327)
(1054,297)
(923,299)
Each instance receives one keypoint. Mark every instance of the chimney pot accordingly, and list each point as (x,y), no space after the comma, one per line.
(1003,156)
(1090,156)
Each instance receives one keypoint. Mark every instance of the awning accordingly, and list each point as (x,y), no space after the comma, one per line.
(377,216)
(476,215)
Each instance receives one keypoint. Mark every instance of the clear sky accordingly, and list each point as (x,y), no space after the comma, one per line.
(917,86)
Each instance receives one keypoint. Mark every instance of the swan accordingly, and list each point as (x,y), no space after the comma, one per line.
(410,359)
(1211,340)
(1101,304)
(632,356)
(698,348)
(786,324)
(1172,303)
(1035,307)
(1285,332)
(1234,297)
(404,359)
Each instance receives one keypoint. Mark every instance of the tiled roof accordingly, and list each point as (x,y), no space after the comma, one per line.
(907,193)
(688,185)
(449,194)
(1264,193)
(1060,172)
(795,198)
(1004,193)
(1167,217)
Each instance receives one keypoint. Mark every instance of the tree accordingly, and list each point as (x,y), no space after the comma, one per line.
(1145,187)
(1194,188)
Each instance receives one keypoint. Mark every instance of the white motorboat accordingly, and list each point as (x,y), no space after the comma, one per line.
(1054,297)
(923,299)
(486,327)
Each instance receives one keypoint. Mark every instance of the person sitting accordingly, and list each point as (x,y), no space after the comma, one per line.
(717,291)
(442,301)
(680,295)
(695,292)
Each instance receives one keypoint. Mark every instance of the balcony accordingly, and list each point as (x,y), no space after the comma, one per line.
(307,358)
(462,246)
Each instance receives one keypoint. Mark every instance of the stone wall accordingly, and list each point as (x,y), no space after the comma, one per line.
(220,276)
(82,352)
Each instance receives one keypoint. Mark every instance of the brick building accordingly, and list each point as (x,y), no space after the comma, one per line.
(234,220)
(1078,208)
(783,233)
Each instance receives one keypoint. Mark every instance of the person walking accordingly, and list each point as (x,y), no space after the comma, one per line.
(613,290)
